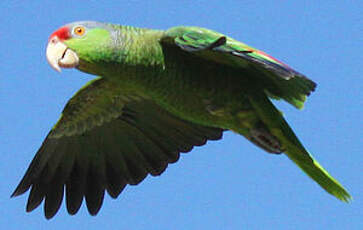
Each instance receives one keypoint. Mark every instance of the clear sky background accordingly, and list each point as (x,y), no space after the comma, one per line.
(229,184)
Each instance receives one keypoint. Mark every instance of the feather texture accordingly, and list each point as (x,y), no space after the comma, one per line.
(108,155)
(159,94)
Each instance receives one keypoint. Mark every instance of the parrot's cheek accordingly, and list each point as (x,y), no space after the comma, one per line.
(60,56)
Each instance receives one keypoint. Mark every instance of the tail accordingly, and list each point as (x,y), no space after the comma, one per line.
(293,147)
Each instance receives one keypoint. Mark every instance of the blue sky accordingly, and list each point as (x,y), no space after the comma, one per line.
(229,184)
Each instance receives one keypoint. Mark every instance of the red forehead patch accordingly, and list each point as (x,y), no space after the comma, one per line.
(62,33)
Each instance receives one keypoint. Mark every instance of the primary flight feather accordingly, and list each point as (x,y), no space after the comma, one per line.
(158,93)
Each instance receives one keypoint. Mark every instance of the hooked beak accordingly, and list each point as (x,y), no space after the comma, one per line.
(59,55)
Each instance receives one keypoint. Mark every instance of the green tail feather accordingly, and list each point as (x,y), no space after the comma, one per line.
(294,149)
(323,178)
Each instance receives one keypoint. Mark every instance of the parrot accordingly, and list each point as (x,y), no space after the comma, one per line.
(157,94)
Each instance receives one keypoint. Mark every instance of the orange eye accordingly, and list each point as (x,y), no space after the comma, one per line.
(79,30)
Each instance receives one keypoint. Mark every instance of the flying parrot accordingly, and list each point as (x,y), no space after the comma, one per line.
(158,94)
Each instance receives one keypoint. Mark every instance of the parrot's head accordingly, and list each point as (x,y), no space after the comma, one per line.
(78,45)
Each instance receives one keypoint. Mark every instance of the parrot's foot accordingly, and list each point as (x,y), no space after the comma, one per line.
(264,139)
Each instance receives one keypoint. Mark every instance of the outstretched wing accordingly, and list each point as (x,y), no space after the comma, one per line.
(104,140)
(279,80)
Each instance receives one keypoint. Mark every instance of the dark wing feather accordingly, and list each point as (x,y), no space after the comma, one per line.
(278,79)
(105,140)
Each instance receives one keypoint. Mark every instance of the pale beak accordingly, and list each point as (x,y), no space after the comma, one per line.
(59,55)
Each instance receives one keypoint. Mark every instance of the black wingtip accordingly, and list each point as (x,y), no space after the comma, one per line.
(21,188)
(14,194)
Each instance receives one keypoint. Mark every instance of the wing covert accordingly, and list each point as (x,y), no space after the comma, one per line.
(279,80)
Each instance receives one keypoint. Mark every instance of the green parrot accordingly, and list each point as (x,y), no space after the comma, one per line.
(158,94)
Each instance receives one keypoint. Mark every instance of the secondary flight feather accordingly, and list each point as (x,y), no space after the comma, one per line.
(158,94)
